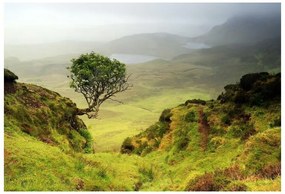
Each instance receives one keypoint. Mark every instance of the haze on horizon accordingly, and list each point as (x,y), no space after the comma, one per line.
(33,23)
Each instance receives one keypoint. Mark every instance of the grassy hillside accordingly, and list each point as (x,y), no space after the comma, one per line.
(161,45)
(44,115)
(233,143)
(157,85)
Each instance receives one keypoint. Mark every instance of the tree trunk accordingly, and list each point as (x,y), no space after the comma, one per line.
(83,111)
(87,111)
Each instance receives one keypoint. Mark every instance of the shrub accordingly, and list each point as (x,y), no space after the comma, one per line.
(208,182)
(139,150)
(219,180)
(271,171)
(217,130)
(233,172)
(147,173)
(243,131)
(241,97)
(165,116)
(202,183)
(182,143)
(236,187)
(9,76)
(275,122)
(89,140)
(127,146)
(190,117)
(226,120)
(248,80)
(77,141)
(195,101)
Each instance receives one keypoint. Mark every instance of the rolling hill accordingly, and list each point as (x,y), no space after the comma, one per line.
(229,144)
(220,144)
(162,45)
(157,84)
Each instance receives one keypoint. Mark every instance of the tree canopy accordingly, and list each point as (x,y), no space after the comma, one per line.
(98,78)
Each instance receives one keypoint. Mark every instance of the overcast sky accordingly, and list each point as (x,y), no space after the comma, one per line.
(28,23)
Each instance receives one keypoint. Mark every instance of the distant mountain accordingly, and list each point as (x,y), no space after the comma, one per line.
(229,62)
(243,30)
(162,45)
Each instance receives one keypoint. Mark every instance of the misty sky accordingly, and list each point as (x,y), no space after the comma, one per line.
(28,23)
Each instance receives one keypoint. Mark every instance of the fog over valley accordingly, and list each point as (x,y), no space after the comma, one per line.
(142,97)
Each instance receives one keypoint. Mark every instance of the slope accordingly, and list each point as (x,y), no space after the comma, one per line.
(233,143)
(46,146)
(243,29)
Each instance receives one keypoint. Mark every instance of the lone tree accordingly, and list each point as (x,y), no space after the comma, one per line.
(98,78)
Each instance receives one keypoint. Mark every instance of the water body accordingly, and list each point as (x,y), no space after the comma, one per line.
(132,59)
(196,45)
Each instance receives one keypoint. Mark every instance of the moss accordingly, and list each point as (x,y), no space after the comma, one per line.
(39,112)
(261,150)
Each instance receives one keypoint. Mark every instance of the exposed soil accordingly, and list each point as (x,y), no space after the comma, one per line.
(204,129)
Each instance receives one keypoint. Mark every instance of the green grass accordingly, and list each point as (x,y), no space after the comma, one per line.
(264,184)
(141,107)
(170,168)
(31,165)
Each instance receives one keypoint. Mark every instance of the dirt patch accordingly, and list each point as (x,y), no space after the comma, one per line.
(204,129)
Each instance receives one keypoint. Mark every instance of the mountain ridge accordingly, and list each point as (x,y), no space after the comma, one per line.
(245,29)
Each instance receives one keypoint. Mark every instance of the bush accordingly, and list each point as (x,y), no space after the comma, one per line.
(275,122)
(233,172)
(182,143)
(77,141)
(89,140)
(271,171)
(226,120)
(9,76)
(217,130)
(243,131)
(127,146)
(165,116)
(208,182)
(195,101)
(248,80)
(236,187)
(147,173)
(220,180)
(190,117)
(202,183)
